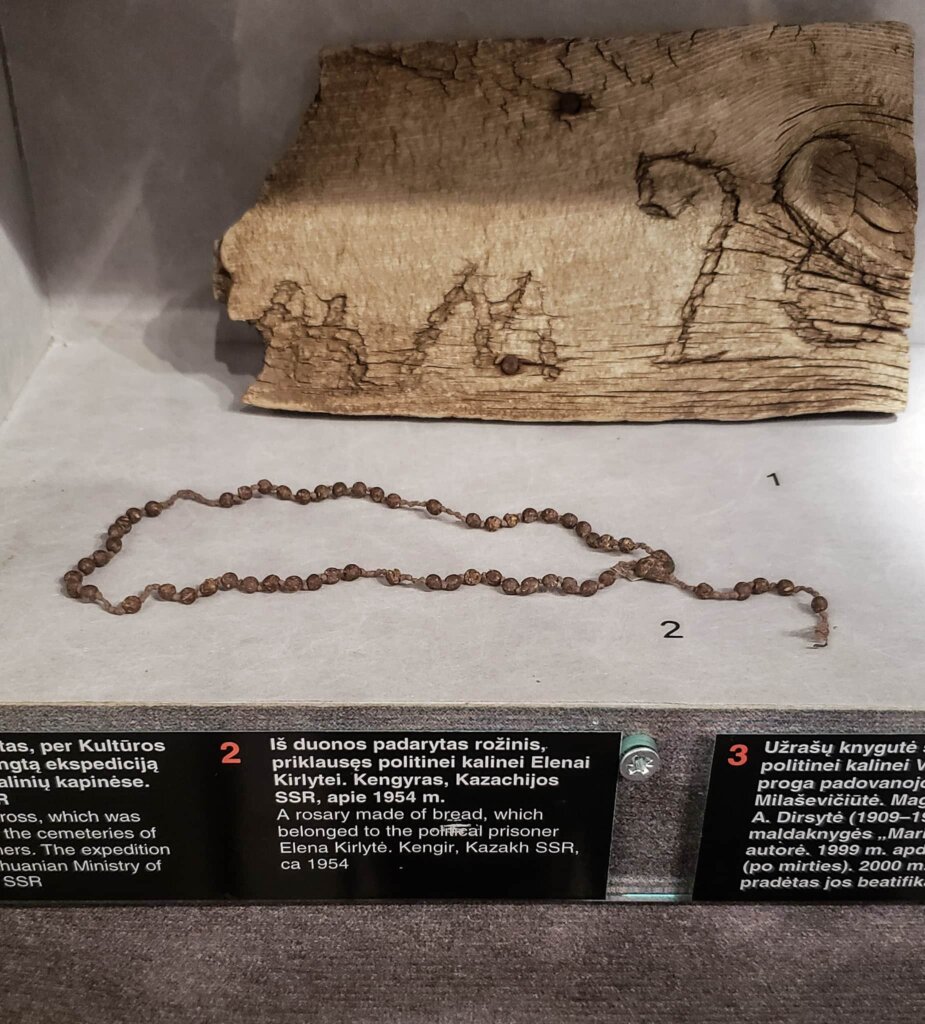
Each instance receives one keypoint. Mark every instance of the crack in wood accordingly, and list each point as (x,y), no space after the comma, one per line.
(515,325)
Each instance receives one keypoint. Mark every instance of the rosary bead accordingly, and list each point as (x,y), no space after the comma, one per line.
(593,540)
(270,584)
(569,520)
(529,585)
(245,493)
(492,523)
(134,514)
(153,508)
(88,592)
(664,560)
(550,581)
(291,584)
(283,492)
(471,577)
(226,500)
(313,582)
(658,567)
(331,575)
(582,528)
(474,521)
(208,587)
(393,500)
(322,492)
(166,591)
(248,585)
(392,577)
(125,523)
(228,581)
(510,519)
(569,585)
(339,489)
(72,588)
(452,582)
(819,604)
(73,576)
(303,496)
(509,585)
(376,493)
(86,566)
(784,587)
(434,582)
(116,531)
(101,557)
(607,578)
(352,572)
(626,544)
(492,578)
(744,590)
(114,545)
(131,605)
(588,588)
(529,515)
(434,507)
(703,590)
(359,489)
(760,585)
(606,542)
(188,595)
(644,566)
(264,486)
(550,515)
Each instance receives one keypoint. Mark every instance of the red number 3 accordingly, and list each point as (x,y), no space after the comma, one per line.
(233,750)
(739,755)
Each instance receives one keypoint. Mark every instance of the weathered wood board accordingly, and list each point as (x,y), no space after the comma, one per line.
(706,225)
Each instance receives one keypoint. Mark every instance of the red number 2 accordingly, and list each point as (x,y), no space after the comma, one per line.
(739,755)
(233,750)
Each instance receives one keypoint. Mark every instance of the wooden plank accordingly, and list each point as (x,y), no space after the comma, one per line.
(706,225)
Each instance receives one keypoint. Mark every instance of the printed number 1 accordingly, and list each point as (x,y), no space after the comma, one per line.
(231,757)
(739,753)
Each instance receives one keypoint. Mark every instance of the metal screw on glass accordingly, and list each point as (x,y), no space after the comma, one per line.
(639,758)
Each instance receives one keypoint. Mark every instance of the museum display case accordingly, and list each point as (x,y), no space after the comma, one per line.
(571,785)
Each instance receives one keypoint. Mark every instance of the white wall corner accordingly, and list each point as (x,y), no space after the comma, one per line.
(25,329)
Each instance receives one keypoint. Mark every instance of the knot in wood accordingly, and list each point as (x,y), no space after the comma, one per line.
(510,364)
(570,104)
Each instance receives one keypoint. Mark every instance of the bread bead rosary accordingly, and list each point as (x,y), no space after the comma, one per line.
(656,565)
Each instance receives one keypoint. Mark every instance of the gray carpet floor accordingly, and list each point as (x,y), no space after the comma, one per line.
(462,964)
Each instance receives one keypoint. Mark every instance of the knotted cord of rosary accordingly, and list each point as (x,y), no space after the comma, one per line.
(656,565)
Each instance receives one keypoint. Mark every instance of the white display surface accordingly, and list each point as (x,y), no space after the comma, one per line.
(105,425)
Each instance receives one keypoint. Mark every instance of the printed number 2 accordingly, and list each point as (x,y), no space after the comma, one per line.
(673,633)
(233,750)
(739,755)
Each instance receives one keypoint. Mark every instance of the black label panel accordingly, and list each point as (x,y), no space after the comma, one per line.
(304,816)
(814,818)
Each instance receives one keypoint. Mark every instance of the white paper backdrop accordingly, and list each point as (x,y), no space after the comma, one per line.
(148,128)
